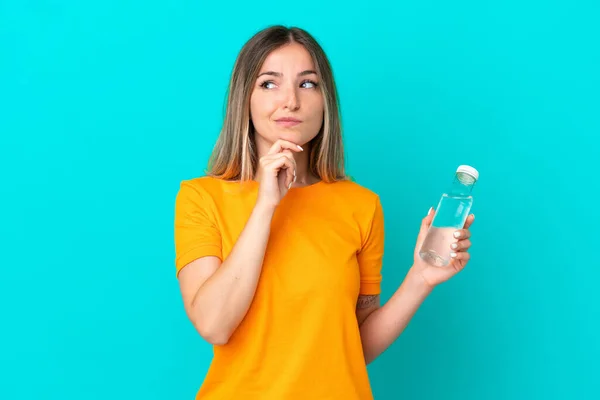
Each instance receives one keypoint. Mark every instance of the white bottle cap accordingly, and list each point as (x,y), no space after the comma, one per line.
(468,170)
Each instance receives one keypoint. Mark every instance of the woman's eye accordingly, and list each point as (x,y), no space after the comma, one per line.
(309,84)
(268,84)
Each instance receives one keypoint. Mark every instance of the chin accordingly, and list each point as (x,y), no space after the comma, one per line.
(290,136)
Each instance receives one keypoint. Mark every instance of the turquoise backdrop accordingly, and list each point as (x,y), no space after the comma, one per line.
(105,106)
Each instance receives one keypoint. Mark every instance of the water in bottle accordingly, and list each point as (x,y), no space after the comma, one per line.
(450,215)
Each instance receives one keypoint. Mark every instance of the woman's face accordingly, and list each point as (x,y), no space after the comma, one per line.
(286,102)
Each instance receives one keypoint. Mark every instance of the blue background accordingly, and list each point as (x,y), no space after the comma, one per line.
(106,106)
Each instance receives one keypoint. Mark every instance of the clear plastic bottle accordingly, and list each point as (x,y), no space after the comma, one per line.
(450,215)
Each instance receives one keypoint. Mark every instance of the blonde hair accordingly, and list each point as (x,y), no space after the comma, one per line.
(234,156)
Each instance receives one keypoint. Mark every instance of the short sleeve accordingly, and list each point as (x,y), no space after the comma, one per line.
(370,256)
(196,233)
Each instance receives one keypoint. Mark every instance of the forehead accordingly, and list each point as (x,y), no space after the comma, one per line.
(291,57)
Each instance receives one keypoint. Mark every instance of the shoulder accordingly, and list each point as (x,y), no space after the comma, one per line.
(210,191)
(365,208)
(201,184)
(195,188)
(210,186)
(198,190)
(363,203)
(355,193)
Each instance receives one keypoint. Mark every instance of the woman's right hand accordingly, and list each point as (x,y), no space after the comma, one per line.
(276,172)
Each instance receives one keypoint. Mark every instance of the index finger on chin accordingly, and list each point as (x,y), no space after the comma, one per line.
(281,144)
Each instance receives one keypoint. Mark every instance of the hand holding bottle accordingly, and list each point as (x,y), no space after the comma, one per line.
(444,239)
(459,247)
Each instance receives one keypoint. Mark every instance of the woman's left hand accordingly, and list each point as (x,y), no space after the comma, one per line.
(432,275)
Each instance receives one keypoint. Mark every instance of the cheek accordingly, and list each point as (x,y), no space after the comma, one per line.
(260,106)
(254,106)
(317,109)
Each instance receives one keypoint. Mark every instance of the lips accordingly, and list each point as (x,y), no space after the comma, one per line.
(287,121)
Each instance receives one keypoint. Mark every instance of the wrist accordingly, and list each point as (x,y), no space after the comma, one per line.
(416,283)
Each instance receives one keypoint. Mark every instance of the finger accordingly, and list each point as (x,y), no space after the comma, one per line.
(291,171)
(281,144)
(425,224)
(283,163)
(426,221)
(462,234)
(267,159)
(289,155)
(460,259)
(278,161)
(469,221)
(461,245)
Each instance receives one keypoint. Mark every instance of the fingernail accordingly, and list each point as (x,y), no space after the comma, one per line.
(294,178)
(290,186)
(430,210)
(453,255)
(300,147)
(454,245)
(456,234)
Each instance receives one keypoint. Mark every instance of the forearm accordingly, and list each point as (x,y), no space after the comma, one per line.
(224,299)
(384,325)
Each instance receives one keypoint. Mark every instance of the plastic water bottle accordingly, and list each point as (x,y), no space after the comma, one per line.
(450,215)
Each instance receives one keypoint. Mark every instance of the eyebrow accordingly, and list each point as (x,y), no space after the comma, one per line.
(279,74)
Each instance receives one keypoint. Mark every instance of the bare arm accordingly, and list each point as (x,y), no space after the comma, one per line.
(381,326)
(217,296)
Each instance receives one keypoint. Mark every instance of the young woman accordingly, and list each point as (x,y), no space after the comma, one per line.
(278,254)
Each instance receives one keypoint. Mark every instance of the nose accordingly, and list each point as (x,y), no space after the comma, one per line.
(292,102)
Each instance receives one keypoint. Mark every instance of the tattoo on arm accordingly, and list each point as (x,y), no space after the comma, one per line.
(366,301)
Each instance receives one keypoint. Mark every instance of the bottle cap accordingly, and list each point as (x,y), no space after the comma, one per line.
(468,170)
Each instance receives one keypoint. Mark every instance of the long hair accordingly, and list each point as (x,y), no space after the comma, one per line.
(234,156)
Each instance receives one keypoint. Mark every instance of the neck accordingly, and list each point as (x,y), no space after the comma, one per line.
(303,176)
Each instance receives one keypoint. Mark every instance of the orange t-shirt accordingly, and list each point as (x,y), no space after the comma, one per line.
(300,338)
